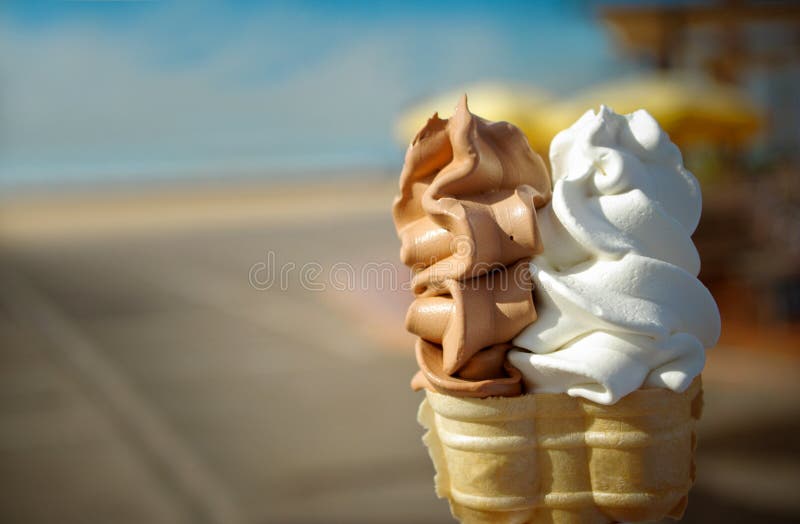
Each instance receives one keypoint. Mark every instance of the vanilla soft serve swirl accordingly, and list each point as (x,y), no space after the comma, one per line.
(619,305)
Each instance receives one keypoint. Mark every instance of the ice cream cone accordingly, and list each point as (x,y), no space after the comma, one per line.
(552,458)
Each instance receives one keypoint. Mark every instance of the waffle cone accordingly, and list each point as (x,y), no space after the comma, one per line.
(552,458)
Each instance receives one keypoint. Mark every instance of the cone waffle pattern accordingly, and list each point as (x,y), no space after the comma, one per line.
(551,458)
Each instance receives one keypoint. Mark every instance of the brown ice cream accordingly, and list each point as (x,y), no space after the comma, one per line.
(486,374)
(471,315)
(467,222)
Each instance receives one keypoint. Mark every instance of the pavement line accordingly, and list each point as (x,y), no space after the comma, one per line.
(196,487)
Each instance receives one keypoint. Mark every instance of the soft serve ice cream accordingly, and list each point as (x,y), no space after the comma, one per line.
(619,305)
(588,403)
(467,222)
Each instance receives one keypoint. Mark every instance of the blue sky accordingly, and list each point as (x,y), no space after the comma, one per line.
(107,90)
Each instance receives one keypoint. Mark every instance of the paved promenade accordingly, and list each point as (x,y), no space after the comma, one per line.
(147,379)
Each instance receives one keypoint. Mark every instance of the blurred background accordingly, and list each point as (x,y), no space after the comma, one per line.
(201,301)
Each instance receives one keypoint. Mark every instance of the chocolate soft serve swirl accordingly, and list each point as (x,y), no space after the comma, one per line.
(466,217)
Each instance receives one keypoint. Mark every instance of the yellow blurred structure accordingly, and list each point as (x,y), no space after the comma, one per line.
(690,109)
(519,105)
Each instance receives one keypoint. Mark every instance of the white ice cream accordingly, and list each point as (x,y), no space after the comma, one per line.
(617,296)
